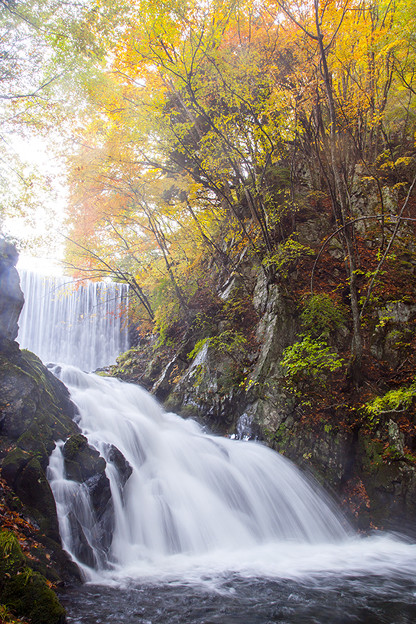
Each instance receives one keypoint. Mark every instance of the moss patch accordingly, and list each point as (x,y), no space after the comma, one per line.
(25,592)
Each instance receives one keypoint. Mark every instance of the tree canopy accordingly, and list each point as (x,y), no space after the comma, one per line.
(205,133)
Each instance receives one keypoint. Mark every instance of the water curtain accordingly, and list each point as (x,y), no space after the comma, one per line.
(83,324)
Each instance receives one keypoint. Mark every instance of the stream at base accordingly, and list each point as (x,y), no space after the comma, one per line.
(369,580)
(236,600)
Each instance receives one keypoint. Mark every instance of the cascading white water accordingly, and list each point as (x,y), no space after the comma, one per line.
(84,324)
(189,492)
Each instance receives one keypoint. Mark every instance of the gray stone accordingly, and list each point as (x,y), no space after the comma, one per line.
(11,296)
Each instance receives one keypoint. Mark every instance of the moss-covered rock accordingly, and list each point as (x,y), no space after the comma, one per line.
(23,471)
(35,412)
(389,479)
(82,461)
(35,407)
(24,591)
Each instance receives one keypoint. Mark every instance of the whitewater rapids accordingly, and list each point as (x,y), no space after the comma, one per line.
(198,507)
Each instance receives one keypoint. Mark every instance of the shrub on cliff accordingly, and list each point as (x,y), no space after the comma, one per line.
(307,366)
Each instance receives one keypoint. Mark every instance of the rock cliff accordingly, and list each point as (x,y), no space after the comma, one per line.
(11,301)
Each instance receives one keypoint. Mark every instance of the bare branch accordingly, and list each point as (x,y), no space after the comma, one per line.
(18,96)
(399,218)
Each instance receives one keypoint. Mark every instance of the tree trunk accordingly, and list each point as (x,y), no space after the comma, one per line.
(342,209)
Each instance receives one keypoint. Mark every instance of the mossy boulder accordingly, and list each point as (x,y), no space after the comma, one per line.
(35,407)
(25,473)
(389,479)
(84,464)
(82,461)
(24,591)
(35,412)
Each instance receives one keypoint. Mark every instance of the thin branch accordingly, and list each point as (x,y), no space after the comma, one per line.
(295,21)
(18,96)
(390,243)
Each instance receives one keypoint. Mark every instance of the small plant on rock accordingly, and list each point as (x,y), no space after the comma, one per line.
(307,365)
(321,316)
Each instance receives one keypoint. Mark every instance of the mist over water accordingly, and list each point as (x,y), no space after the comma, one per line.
(209,529)
(83,324)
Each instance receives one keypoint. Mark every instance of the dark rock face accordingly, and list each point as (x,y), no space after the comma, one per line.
(84,464)
(11,300)
(367,465)
(377,491)
(81,460)
(121,464)
(35,411)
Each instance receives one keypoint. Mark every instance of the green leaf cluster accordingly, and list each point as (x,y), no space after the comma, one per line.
(287,257)
(321,316)
(392,402)
(229,342)
(307,365)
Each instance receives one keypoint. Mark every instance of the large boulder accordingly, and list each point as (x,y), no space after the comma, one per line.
(35,412)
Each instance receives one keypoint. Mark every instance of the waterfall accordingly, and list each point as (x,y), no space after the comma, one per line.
(83,324)
(186,493)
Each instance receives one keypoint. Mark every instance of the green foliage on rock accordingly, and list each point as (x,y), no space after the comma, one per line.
(321,316)
(287,257)
(307,365)
(228,342)
(24,592)
(392,402)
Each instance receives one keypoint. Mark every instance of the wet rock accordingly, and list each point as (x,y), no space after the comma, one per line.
(82,461)
(82,548)
(25,476)
(84,464)
(35,411)
(121,464)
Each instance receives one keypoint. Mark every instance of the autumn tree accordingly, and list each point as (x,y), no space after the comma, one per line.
(35,87)
(212,122)
(342,115)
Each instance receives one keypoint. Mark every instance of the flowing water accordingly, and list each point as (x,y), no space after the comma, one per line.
(83,324)
(210,530)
